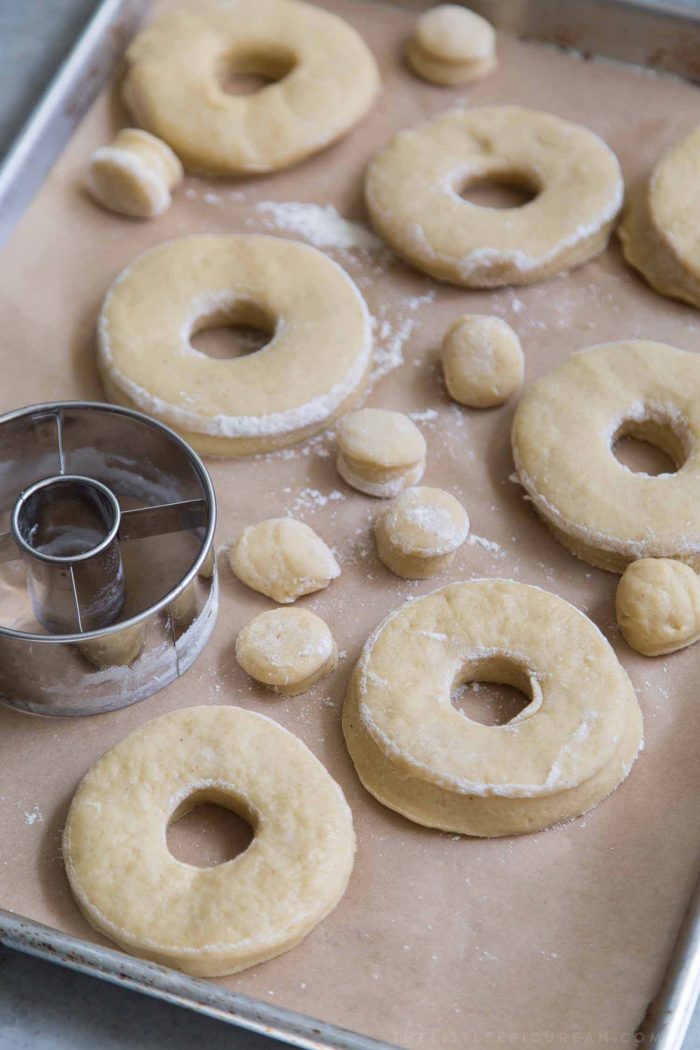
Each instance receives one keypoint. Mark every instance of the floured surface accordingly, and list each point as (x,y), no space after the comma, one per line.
(440,942)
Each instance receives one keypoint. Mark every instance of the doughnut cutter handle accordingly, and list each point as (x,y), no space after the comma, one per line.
(102,639)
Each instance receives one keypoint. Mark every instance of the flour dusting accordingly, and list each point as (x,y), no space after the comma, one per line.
(319,224)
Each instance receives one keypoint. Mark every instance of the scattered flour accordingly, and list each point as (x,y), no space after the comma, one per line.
(319,224)
(489,545)
(423,416)
(390,341)
(309,498)
(33,816)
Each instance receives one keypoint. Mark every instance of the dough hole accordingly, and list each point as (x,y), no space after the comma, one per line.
(206,832)
(649,447)
(495,191)
(247,73)
(495,691)
(235,331)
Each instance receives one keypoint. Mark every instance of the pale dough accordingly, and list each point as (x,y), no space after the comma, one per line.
(452,45)
(135,175)
(288,650)
(326,79)
(283,558)
(311,371)
(115,650)
(413,191)
(420,531)
(380,452)
(658,228)
(217,920)
(416,753)
(482,361)
(564,431)
(658,606)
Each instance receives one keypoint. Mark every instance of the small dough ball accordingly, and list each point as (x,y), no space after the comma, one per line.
(288,650)
(452,45)
(283,558)
(418,534)
(482,361)
(658,606)
(134,175)
(380,452)
(115,650)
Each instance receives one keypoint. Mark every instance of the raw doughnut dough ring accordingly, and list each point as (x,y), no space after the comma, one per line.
(452,45)
(288,650)
(308,374)
(413,189)
(658,228)
(283,558)
(658,606)
(419,533)
(172,86)
(417,754)
(564,431)
(482,361)
(380,452)
(134,175)
(208,921)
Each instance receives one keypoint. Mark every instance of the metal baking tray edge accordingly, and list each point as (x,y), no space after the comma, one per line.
(658,34)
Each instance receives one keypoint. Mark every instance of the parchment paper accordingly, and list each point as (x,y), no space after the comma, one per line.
(560,937)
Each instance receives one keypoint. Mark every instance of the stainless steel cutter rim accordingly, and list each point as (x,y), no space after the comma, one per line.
(209,497)
(63,559)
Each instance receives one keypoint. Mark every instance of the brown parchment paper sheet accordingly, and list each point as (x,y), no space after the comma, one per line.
(440,941)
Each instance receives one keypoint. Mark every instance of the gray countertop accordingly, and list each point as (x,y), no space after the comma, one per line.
(42,1006)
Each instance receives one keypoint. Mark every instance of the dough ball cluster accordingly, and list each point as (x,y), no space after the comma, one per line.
(420,531)
(658,606)
(135,175)
(658,228)
(452,45)
(288,650)
(482,361)
(283,558)
(380,452)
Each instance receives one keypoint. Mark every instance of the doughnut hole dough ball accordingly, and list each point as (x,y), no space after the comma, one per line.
(134,175)
(659,223)
(452,45)
(420,531)
(413,187)
(380,452)
(326,79)
(417,754)
(283,559)
(208,921)
(658,606)
(482,361)
(564,431)
(288,650)
(309,373)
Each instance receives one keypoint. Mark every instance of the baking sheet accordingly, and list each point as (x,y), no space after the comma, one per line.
(440,941)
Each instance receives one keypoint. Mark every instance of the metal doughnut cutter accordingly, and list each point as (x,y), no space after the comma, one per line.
(108,587)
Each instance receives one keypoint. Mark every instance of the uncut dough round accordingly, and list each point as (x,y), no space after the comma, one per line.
(134,175)
(482,361)
(658,225)
(309,373)
(564,431)
(658,606)
(420,532)
(283,558)
(417,754)
(380,452)
(413,190)
(288,650)
(208,921)
(452,45)
(325,77)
